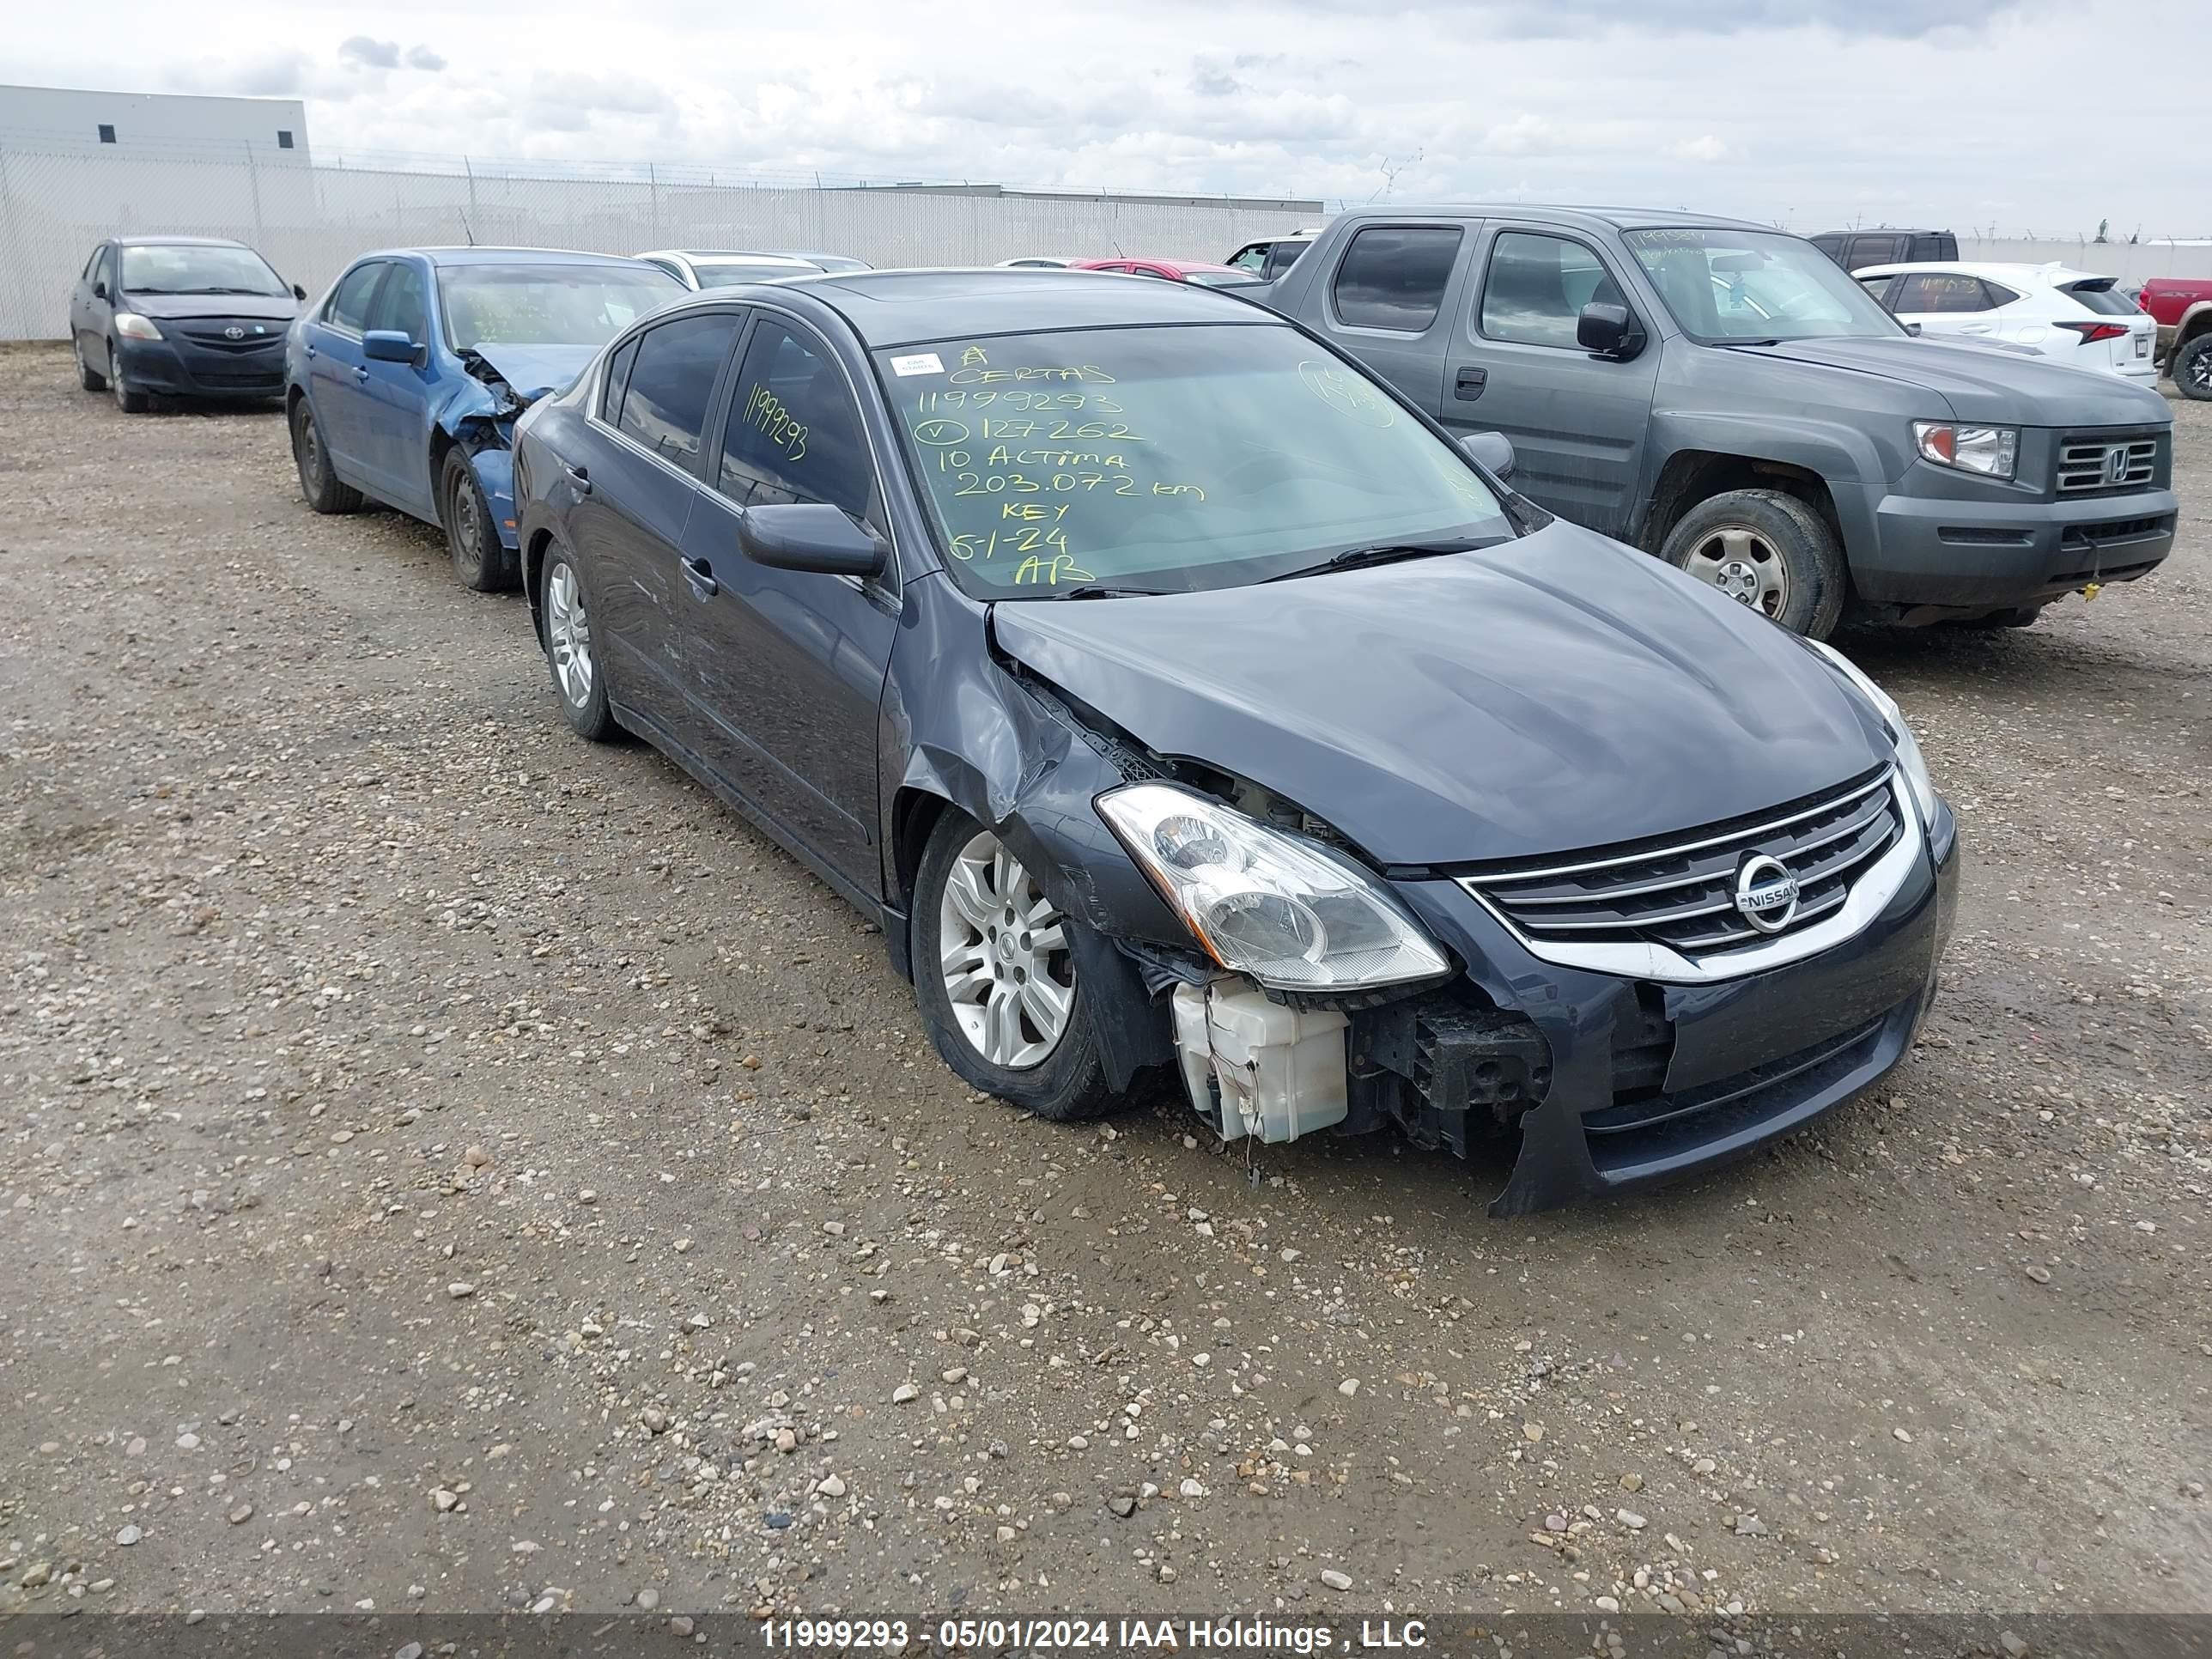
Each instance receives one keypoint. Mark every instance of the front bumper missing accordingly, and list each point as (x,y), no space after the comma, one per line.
(1607,1083)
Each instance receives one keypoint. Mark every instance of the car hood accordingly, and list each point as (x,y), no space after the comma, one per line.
(1984,385)
(534,370)
(1551,694)
(275,307)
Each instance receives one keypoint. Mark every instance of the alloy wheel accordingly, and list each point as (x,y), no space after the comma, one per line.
(1003,952)
(2199,369)
(568,635)
(1745,566)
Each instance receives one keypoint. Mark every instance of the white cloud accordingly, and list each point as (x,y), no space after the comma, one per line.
(1801,111)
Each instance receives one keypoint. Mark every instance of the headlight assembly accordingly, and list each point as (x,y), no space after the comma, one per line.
(1991,451)
(131,327)
(1290,913)
(1910,762)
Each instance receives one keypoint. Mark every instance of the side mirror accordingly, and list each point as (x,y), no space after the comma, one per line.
(100,290)
(388,345)
(299,292)
(810,536)
(1493,450)
(1913,329)
(1608,331)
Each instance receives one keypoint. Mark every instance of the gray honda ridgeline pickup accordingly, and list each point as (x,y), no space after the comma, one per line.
(1727,398)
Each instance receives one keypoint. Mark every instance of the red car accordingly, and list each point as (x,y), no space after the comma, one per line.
(1175,270)
(2183,307)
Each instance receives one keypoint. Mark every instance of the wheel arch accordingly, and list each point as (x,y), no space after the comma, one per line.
(1694,475)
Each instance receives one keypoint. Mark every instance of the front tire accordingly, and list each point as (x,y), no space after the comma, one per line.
(571,653)
(128,398)
(471,535)
(2191,369)
(994,975)
(319,485)
(1769,551)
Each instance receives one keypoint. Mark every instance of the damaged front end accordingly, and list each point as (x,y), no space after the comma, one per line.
(504,381)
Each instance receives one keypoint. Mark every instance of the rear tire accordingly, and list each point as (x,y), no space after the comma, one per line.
(1067,1082)
(1769,550)
(472,535)
(87,376)
(319,485)
(2191,369)
(128,398)
(572,655)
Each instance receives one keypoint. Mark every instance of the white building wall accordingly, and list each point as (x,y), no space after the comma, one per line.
(48,117)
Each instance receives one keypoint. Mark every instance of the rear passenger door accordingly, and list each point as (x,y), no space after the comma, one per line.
(628,528)
(1389,303)
(1579,424)
(1945,303)
(794,660)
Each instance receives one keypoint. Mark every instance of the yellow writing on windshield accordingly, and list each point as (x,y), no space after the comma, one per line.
(973,357)
(1056,372)
(765,412)
(1058,570)
(1347,393)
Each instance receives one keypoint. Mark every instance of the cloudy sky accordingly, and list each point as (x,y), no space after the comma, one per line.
(2041,115)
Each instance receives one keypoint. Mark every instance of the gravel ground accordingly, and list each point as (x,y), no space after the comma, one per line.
(445,1164)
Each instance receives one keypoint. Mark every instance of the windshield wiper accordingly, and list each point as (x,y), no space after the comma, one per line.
(1390,553)
(259,293)
(1099,591)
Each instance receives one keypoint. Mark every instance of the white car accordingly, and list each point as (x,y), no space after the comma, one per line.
(1035,262)
(697,269)
(2073,316)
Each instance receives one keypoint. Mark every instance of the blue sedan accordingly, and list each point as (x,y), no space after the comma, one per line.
(403,384)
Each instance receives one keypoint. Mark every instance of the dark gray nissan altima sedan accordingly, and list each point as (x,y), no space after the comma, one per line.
(1178,697)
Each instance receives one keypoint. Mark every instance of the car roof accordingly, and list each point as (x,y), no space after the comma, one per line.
(175,241)
(1149,259)
(502,256)
(702,256)
(910,307)
(2051,275)
(1581,218)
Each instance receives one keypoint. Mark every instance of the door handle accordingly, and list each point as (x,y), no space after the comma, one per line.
(361,375)
(1469,383)
(579,477)
(701,575)
(310,351)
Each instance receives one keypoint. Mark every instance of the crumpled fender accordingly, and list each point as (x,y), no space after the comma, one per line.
(1010,756)
(483,423)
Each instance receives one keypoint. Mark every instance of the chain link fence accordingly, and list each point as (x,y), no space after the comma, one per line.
(310,219)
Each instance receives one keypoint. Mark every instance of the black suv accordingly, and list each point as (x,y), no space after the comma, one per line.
(1855,250)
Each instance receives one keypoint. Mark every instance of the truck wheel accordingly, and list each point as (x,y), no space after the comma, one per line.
(995,977)
(1766,549)
(2191,369)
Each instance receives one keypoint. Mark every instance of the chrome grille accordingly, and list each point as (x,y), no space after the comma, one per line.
(2085,463)
(1682,896)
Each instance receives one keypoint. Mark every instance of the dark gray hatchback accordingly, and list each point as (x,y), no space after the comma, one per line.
(1179,697)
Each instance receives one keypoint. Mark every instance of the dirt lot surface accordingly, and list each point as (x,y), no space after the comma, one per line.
(445,1164)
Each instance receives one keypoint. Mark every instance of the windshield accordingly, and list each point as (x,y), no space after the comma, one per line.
(1730,287)
(174,268)
(548,304)
(730,273)
(1167,459)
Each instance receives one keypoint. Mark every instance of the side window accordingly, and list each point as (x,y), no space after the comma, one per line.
(671,379)
(1876,287)
(794,435)
(403,303)
(1996,294)
(1537,286)
(91,261)
(1940,291)
(1153,271)
(1876,251)
(106,273)
(349,304)
(1393,276)
(611,395)
(1831,245)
